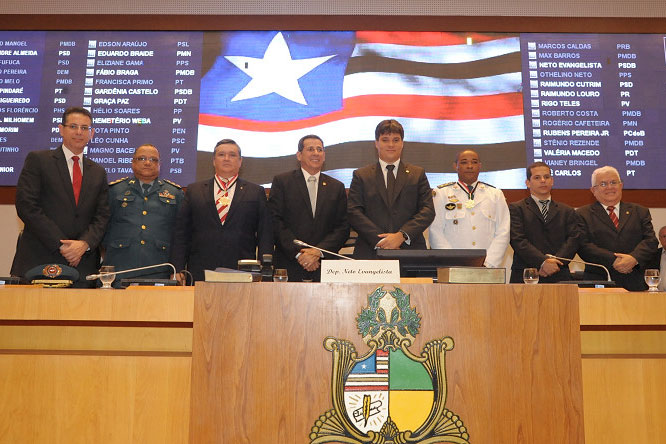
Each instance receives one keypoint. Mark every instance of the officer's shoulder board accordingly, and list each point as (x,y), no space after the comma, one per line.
(115,182)
(487,184)
(448,184)
(172,183)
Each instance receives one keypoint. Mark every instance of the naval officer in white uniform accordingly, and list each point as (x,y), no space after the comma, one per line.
(470,213)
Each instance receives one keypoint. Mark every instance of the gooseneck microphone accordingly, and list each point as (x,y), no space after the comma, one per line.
(582,262)
(300,243)
(92,277)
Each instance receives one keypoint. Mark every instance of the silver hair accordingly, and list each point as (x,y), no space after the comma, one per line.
(604,169)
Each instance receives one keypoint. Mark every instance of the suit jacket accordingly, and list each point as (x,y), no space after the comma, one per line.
(202,242)
(634,236)
(532,238)
(290,207)
(370,212)
(45,203)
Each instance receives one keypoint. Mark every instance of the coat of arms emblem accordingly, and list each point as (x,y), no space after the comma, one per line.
(388,395)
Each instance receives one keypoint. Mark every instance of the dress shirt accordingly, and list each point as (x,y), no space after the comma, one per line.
(70,162)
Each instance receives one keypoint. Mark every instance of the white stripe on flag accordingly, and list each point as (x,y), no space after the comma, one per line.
(440,54)
(284,143)
(367,83)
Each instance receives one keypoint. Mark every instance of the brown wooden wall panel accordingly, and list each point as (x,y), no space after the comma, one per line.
(260,373)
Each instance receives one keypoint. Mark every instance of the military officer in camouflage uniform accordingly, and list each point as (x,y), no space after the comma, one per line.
(143,216)
(470,213)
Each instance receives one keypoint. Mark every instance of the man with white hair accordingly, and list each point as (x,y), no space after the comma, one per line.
(616,234)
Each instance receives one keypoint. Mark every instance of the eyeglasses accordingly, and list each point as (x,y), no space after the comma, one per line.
(612,183)
(75,127)
(147,159)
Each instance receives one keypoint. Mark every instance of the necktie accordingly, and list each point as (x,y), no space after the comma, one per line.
(390,182)
(146,187)
(77,177)
(222,200)
(613,217)
(544,209)
(312,191)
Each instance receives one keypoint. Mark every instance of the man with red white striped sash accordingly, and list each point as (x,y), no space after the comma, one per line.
(222,219)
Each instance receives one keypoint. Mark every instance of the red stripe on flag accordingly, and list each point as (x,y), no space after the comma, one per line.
(382,353)
(420,107)
(423,38)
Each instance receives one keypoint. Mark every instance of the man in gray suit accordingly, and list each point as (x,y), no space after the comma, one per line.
(390,202)
(62,198)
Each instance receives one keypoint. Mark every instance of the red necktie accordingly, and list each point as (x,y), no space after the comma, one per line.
(76,178)
(613,217)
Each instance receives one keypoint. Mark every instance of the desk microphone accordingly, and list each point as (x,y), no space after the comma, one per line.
(300,243)
(92,277)
(582,262)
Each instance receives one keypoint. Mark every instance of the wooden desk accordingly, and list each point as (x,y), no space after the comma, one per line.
(623,346)
(114,366)
(102,366)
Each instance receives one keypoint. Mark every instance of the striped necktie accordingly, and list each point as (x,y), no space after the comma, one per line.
(613,217)
(544,209)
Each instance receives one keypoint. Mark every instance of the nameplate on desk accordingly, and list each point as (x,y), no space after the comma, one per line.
(361,272)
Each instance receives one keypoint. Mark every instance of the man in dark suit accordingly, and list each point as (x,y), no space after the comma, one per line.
(308,205)
(222,219)
(390,202)
(61,197)
(540,226)
(616,234)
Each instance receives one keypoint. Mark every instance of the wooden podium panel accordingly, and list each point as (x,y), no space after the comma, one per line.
(623,337)
(95,366)
(260,373)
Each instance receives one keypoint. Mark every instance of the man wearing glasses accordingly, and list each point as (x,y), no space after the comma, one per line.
(311,206)
(143,217)
(616,234)
(62,198)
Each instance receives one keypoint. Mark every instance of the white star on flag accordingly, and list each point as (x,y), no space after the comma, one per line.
(275,73)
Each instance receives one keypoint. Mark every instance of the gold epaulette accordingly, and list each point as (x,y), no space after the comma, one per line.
(118,181)
(172,183)
(448,184)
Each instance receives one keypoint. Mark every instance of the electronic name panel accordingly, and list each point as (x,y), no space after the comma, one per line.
(141,87)
(594,100)
(574,101)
